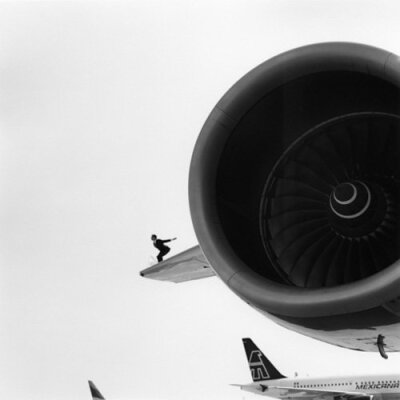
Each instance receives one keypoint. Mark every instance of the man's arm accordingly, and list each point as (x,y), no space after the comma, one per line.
(168,240)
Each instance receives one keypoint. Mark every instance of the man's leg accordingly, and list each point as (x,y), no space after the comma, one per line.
(162,253)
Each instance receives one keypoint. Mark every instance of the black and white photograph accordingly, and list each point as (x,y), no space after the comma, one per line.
(200,200)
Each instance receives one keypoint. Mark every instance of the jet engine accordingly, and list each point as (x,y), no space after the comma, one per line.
(294,192)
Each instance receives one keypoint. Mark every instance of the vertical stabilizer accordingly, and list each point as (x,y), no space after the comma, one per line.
(261,368)
(96,395)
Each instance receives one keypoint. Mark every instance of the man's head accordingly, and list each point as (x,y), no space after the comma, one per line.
(153,237)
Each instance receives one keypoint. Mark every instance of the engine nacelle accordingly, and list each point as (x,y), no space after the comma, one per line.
(295,190)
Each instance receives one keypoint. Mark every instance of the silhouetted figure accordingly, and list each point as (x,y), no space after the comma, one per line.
(159,244)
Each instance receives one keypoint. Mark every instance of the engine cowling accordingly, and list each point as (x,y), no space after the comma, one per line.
(294,192)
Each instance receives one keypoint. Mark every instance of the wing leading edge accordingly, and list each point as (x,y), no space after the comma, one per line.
(186,266)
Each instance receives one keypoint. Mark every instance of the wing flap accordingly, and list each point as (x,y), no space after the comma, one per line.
(186,266)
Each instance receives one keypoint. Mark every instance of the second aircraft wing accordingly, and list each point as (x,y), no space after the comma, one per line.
(308,393)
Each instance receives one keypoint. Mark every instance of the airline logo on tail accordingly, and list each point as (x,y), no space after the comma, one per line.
(261,368)
(258,369)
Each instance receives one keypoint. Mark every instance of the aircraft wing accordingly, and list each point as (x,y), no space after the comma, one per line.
(186,266)
(314,393)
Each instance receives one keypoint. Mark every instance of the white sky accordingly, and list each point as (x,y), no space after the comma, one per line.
(101,104)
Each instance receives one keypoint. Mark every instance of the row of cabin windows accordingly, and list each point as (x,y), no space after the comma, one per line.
(325,385)
(343,384)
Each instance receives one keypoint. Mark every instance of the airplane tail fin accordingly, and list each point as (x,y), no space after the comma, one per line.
(96,395)
(261,368)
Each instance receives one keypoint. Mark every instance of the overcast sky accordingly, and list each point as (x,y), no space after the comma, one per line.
(100,107)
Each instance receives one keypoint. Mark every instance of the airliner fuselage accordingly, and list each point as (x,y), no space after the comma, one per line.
(376,386)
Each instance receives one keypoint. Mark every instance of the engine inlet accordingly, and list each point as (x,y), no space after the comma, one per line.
(329,206)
